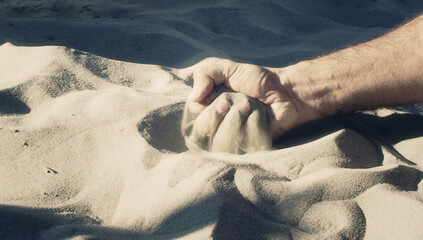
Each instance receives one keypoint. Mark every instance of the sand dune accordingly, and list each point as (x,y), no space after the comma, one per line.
(91,104)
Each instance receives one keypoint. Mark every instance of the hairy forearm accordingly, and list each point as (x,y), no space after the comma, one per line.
(385,71)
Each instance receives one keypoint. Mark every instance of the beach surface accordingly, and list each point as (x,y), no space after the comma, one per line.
(91,102)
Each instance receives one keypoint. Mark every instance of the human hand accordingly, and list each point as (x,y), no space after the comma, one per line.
(232,123)
(268,85)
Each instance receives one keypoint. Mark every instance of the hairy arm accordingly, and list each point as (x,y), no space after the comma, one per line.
(385,71)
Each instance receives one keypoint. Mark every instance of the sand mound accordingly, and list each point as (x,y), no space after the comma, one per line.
(91,104)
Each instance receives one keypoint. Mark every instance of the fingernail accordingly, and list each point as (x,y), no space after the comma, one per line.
(222,107)
(194,94)
(244,109)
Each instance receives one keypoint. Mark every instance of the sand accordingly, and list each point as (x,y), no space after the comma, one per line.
(91,105)
(232,123)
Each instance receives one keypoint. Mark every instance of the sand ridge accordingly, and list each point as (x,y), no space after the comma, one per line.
(91,103)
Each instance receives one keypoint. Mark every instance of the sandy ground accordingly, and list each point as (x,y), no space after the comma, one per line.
(91,101)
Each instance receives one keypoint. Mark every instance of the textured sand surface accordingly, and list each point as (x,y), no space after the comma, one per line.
(91,104)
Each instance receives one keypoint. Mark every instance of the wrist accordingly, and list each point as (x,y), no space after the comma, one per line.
(313,89)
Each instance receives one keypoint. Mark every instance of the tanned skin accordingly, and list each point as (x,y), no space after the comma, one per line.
(385,71)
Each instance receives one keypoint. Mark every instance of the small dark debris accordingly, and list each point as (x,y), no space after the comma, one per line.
(26,144)
(16,131)
(50,170)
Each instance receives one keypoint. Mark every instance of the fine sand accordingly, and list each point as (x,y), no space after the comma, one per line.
(91,104)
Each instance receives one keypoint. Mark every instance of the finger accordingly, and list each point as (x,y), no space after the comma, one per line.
(202,86)
(222,108)
(198,107)
(256,133)
(195,107)
(244,110)
(209,120)
(226,137)
(243,138)
(206,77)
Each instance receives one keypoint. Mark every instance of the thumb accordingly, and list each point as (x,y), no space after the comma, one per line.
(206,77)
(203,85)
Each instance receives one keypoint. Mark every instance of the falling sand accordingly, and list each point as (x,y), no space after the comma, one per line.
(245,127)
(92,97)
